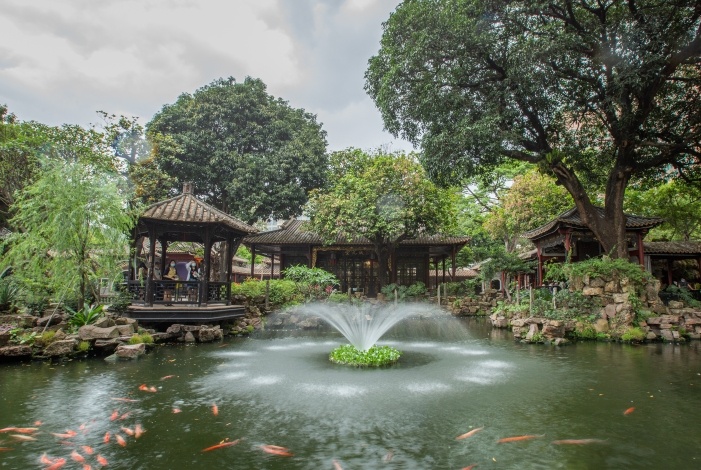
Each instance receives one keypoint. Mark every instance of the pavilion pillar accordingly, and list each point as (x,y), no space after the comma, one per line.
(539,251)
(253,260)
(641,250)
(435,263)
(164,248)
(204,292)
(150,284)
(272,265)
(452,261)
(670,276)
(229,263)
(443,269)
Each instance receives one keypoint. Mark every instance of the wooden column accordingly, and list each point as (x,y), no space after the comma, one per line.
(539,251)
(453,261)
(641,250)
(272,265)
(150,284)
(443,269)
(204,291)
(670,276)
(229,263)
(253,260)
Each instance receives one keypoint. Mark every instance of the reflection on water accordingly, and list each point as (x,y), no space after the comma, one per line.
(279,388)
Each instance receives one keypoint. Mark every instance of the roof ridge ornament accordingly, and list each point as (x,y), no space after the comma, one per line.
(188,187)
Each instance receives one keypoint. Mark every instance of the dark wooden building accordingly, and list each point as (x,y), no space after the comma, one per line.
(185,218)
(353,261)
(566,233)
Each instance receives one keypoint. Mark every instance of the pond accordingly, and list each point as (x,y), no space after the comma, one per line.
(278,388)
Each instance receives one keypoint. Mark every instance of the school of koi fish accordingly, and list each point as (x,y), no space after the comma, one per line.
(121,433)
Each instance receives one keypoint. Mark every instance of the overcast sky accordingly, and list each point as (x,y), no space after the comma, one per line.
(61,61)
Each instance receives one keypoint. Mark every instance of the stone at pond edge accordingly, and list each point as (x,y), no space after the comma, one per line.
(21,350)
(208,335)
(106,345)
(62,347)
(189,337)
(50,320)
(131,351)
(90,332)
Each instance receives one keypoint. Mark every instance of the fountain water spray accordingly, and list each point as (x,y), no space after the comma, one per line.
(363,325)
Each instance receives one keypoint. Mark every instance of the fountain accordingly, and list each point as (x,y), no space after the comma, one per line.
(363,325)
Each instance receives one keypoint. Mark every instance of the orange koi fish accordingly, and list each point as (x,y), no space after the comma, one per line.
(56,464)
(10,429)
(336,465)
(26,430)
(468,434)
(177,410)
(143,388)
(120,440)
(5,449)
(578,442)
(167,377)
(101,460)
(37,423)
(138,431)
(125,416)
(83,427)
(45,459)
(128,431)
(629,411)
(519,438)
(115,415)
(215,409)
(86,467)
(469,467)
(222,444)
(277,450)
(77,457)
(22,437)
(67,435)
(106,439)
(88,450)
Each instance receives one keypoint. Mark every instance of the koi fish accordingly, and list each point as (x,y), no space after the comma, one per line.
(88,450)
(469,467)
(86,467)
(115,415)
(138,431)
(336,465)
(519,438)
(83,427)
(629,411)
(177,410)
(5,449)
(221,445)
(26,430)
(77,457)
(127,431)
(277,450)
(125,416)
(578,441)
(106,439)
(126,400)
(22,437)
(120,440)
(101,460)
(167,377)
(468,434)
(67,435)
(10,429)
(56,464)
(215,409)
(37,423)
(145,388)
(45,459)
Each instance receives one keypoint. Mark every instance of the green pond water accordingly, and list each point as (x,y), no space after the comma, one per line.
(278,388)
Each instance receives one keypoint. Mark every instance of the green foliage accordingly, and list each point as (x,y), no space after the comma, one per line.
(506,262)
(414,291)
(475,82)
(85,316)
(313,283)
(245,253)
(74,226)
(84,346)
(36,302)
(138,338)
(46,338)
(339,298)
(120,303)
(9,293)
(634,334)
(252,154)
(385,198)
(20,336)
(466,288)
(603,267)
(376,356)
(683,295)
(584,331)
(282,291)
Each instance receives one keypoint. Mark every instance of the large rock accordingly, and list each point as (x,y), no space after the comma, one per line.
(591,291)
(126,321)
(131,351)
(207,335)
(553,329)
(104,322)
(26,321)
(49,320)
(62,347)
(601,326)
(20,350)
(189,337)
(91,332)
(106,346)
(174,330)
(533,329)
(126,330)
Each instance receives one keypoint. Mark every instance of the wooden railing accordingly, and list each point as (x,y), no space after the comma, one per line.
(179,292)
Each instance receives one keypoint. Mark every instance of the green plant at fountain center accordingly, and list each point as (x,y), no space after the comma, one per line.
(376,356)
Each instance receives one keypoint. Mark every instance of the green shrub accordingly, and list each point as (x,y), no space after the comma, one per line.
(282,292)
(85,316)
(634,334)
(120,303)
(137,338)
(604,267)
(339,298)
(20,336)
(586,332)
(9,293)
(45,339)
(376,356)
(413,291)
(684,295)
(84,346)
(313,283)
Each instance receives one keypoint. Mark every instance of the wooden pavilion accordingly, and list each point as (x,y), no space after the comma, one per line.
(186,218)
(353,261)
(567,234)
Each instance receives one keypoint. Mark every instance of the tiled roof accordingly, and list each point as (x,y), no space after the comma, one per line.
(673,248)
(187,208)
(571,218)
(295,232)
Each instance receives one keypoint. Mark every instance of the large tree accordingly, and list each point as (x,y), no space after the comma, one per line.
(385,198)
(248,153)
(592,91)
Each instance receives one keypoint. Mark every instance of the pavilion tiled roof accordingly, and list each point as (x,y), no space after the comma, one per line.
(571,218)
(673,248)
(295,232)
(189,209)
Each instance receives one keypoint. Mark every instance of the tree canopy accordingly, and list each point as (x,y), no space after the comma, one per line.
(248,153)
(385,198)
(597,93)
